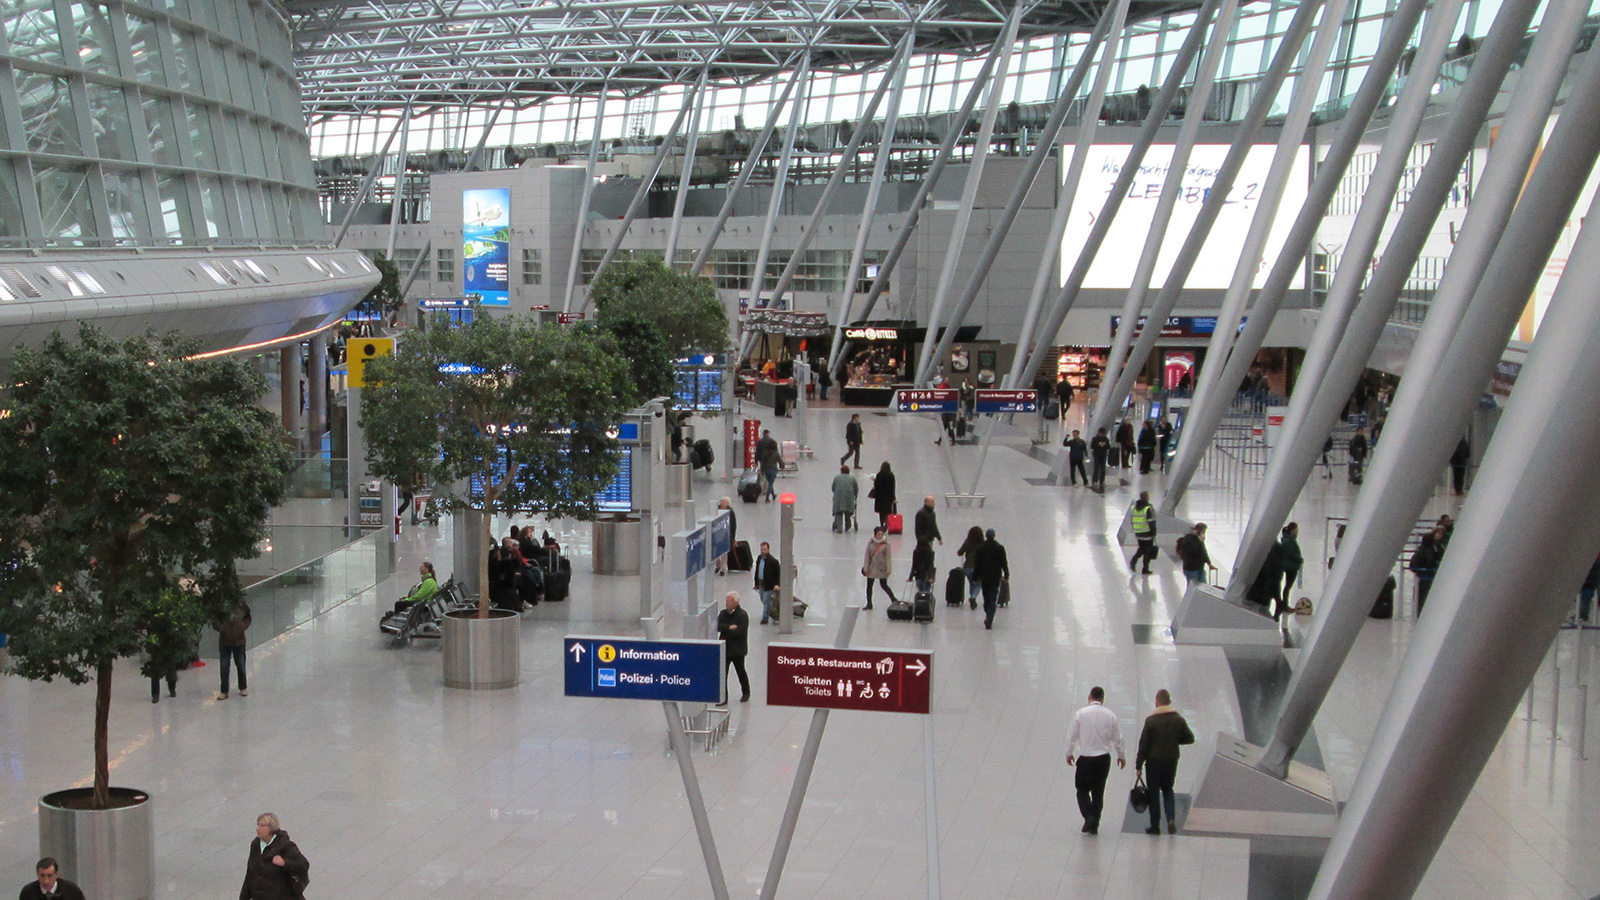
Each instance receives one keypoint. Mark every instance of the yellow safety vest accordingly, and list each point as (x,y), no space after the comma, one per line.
(1142,523)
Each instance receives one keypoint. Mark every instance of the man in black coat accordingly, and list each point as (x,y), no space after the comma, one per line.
(926,522)
(1100,450)
(1125,443)
(992,568)
(1163,441)
(1358,455)
(1077,452)
(1147,448)
(50,886)
(853,439)
(768,573)
(733,626)
(275,864)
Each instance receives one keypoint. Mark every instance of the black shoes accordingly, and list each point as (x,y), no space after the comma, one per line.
(745,699)
(971,603)
(1154,829)
(1172,827)
(868,606)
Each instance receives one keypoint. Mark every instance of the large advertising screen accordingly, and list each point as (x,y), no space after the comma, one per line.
(486,245)
(1113,267)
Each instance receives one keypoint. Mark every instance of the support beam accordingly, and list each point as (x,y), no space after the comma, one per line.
(410,277)
(1160,106)
(1493,268)
(969,194)
(317,392)
(1315,408)
(483,139)
(399,184)
(582,227)
(1144,271)
(1374,87)
(368,180)
(1495,607)
(780,182)
(686,177)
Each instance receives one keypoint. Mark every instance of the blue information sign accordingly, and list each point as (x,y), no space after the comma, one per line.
(631,669)
(721,535)
(694,553)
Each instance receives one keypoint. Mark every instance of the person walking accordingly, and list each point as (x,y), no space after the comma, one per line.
(768,573)
(768,459)
(922,567)
(1193,555)
(1077,452)
(1147,448)
(733,627)
(878,564)
(1165,731)
(1358,455)
(230,643)
(1163,441)
(1144,531)
(276,869)
(1094,735)
(721,564)
(1292,559)
(1267,588)
(852,440)
(1063,395)
(969,563)
(925,523)
(991,570)
(1425,561)
(845,491)
(1100,452)
(49,884)
(1458,466)
(1125,445)
(882,495)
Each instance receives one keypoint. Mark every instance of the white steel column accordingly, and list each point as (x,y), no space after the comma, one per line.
(969,191)
(1144,271)
(1243,140)
(686,177)
(367,182)
(399,184)
(1495,607)
(584,199)
(1474,308)
(1160,106)
(1316,407)
(779,182)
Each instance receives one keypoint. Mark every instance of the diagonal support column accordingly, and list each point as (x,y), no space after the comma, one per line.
(686,177)
(1493,268)
(1160,106)
(1495,607)
(1316,407)
(584,200)
(1216,199)
(367,181)
(969,191)
(399,184)
(780,181)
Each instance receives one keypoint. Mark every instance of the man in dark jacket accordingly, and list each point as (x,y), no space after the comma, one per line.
(926,522)
(1125,443)
(852,440)
(1147,448)
(1458,466)
(50,886)
(1164,732)
(1100,452)
(231,646)
(733,625)
(1358,455)
(768,458)
(768,573)
(1163,441)
(275,865)
(1425,562)
(1192,552)
(992,568)
(1077,452)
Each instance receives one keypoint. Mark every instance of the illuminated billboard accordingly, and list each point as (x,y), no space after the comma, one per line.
(1113,267)
(486,245)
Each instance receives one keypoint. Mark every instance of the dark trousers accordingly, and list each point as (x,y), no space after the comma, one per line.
(1099,479)
(1075,470)
(1290,576)
(882,581)
(738,667)
(1158,777)
(1458,478)
(1146,551)
(155,686)
(1090,781)
(1127,456)
(234,656)
(1424,585)
(991,599)
(1146,457)
(853,450)
(1355,471)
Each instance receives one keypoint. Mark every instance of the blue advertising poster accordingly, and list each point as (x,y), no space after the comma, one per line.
(485,245)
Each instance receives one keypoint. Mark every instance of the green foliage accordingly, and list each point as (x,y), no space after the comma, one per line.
(171,625)
(127,470)
(685,308)
(426,427)
(649,359)
(385,295)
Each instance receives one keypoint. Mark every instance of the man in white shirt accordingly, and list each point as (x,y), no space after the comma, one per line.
(1094,735)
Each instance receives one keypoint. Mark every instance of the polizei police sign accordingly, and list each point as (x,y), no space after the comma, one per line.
(631,669)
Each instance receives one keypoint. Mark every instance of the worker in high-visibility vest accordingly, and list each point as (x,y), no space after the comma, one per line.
(1144,529)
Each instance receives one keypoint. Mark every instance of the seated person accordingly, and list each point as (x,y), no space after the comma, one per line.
(423,592)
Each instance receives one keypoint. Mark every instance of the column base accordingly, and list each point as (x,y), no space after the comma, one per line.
(1235,798)
(1207,616)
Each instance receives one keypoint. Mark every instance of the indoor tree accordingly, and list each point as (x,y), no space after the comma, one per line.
(135,479)
(501,416)
(685,308)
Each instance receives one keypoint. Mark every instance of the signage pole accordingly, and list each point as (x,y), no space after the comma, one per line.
(802,378)
(697,803)
(802,773)
(786,570)
(931,814)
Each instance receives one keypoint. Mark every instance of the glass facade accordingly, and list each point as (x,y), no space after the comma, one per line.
(165,123)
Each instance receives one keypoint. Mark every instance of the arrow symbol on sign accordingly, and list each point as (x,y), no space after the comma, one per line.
(917,666)
(577,653)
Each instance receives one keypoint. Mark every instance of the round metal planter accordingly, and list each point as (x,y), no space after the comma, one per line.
(482,654)
(110,853)
(616,546)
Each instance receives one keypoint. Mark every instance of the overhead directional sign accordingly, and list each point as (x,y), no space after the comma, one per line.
(633,669)
(999,401)
(874,680)
(930,400)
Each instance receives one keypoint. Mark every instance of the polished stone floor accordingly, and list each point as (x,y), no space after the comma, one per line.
(397,788)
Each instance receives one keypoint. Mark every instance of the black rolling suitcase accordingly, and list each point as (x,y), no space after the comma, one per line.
(558,580)
(1005,593)
(899,610)
(701,454)
(741,560)
(1383,607)
(955,587)
(750,486)
(922,607)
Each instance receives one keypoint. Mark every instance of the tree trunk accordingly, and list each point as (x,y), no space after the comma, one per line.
(483,556)
(102,716)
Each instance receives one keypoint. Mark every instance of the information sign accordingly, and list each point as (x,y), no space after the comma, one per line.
(933,400)
(694,552)
(999,401)
(721,534)
(359,350)
(632,669)
(567,318)
(875,680)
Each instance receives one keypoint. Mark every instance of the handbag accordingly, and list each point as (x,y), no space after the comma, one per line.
(1139,795)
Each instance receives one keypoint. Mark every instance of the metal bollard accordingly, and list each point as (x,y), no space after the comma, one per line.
(1555,702)
(1583,719)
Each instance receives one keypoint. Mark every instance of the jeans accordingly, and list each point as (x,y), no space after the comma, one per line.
(234,656)
(885,583)
(972,583)
(1090,781)
(1159,777)
(769,604)
(744,678)
(1195,576)
(924,585)
(772,478)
